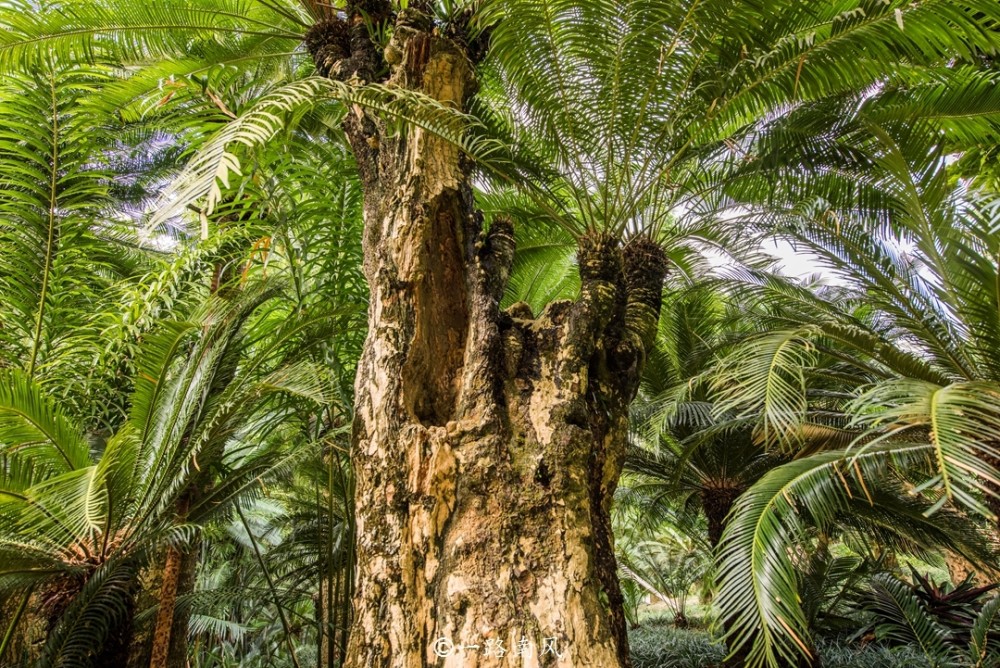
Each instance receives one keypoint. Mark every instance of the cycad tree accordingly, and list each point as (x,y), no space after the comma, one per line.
(690,451)
(612,118)
(912,329)
(72,275)
(79,522)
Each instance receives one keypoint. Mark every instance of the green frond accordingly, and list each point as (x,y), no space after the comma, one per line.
(962,424)
(118,33)
(767,378)
(158,355)
(209,171)
(986,623)
(34,428)
(201,624)
(786,301)
(52,191)
(962,101)
(91,617)
(905,620)
(817,50)
(71,508)
(211,167)
(758,593)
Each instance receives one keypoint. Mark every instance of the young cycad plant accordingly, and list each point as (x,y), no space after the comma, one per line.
(81,519)
(952,626)
(666,569)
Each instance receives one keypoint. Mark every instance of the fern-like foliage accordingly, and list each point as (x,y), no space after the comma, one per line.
(78,524)
(759,593)
(905,337)
(52,189)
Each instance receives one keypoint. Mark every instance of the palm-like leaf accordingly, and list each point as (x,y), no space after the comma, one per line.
(626,117)
(759,588)
(107,518)
(34,429)
(52,189)
(906,620)
(962,421)
(980,647)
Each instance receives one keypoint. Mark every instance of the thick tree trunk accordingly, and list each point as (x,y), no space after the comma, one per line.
(960,568)
(177,655)
(716,502)
(487,444)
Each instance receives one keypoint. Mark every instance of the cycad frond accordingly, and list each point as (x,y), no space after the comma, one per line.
(906,620)
(32,427)
(125,33)
(91,617)
(962,423)
(980,646)
(759,589)
(212,165)
(52,190)
(773,372)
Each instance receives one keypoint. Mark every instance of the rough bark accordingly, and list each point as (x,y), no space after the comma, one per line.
(165,612)
(716,502)
(487,444)
(178,576)
(960,568)
(177,655)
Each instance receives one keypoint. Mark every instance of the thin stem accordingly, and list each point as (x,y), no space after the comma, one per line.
(270,585)
(50,242)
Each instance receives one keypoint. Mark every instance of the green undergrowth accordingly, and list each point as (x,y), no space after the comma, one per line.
(660,646)
(657,644)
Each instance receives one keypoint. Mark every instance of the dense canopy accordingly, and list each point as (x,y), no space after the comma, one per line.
(593,333)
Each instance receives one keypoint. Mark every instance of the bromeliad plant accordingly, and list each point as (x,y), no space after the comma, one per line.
(952,625)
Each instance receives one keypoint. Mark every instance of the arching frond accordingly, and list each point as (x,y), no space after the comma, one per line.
(34,429)
(124,33)
(52,189)
(759,591)
(906,620)
(962,423)
(768,379)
